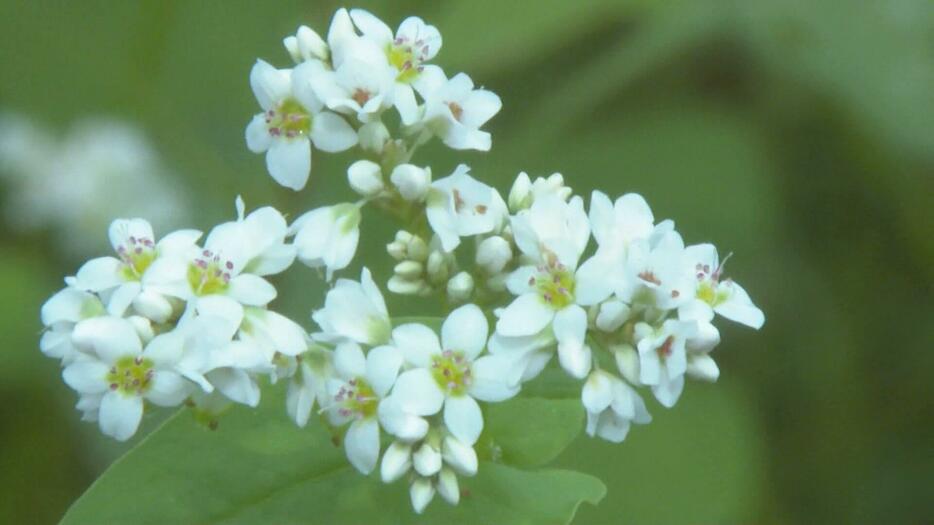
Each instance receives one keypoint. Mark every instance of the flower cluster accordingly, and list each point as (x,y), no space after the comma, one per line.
(615,294)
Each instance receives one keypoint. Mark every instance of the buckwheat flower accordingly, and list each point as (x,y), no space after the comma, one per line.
(60,314)
(460,206)
(524,192)
(655,273)
(363,86)
(726,297)
(235,257)
(412,181)
(306,45)
(663,357)
(292,116)
(612,406)
(455,112)
(328,236)
(366,178)
(122,276)
(118,368)
(414,44)
(360,383)
(450,373)
(308,387)
(354,311)
(552,292)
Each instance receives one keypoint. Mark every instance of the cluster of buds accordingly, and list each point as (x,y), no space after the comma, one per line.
(420,268)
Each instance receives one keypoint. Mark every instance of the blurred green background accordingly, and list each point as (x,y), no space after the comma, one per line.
(797,134)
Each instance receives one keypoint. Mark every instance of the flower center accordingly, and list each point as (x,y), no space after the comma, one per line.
(407,58)
(361,96)
(452,372)
(209,274)
(554,283)
(456,110)
(709,289)
(130,376)
(664,351)
(356,399)
(137,254)
(289,119)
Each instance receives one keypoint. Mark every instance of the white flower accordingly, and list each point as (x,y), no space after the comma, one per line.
(414,43)
(455,111)
(292,115)
(612,406)
(117,368)
(460,206)
(354,311)
(309,385)
(726,297)
(236,255)
(122,276)
(60,314)
(328,236)
(706,338)
(450,374)
(524,192)
(362,86)
(411,181)
(655,273)
(553,233)
(361,382)
(306,45)
(663,357)
(365,177)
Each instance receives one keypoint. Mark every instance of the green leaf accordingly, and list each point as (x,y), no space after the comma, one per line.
(530,432)
(258,467)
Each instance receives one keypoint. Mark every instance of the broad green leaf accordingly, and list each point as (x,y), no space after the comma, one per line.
(258,467)
(529,432)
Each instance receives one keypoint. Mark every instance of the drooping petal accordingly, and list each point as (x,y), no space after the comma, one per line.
(667,391)
(463,418)
(120,415)
(362,444)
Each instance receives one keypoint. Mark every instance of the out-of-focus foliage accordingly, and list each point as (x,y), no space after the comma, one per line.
(797,134)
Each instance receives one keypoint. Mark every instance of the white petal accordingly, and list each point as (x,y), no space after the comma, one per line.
(405,103)
(601,217)
(120,415)
(526,315)
(86,377)
(667,391)
(521,281)
(570,328)
(382,367)
(397,460)
(165,349)
(258,138)
(398,422)
(597,393)
(463,418)
(122,297)
(448,487)
(251,290)
(110,337)
(426,460)
(459,455)
(418,393)
(70,305)
(99,274)
(739,308)
(289,162)
(421,493)
(417,343)
(237,385)
(371,27)
(466,330)
(349,361)
(703,367)
(495,378)
(270,85)
(362,444)
(168,389)
(592,280)
(331,133)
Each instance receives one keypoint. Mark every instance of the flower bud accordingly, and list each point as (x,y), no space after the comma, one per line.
(143,328)
(396,461)
(705,340)
(448,487)
(520,196)
(421,493)
(409,270)
(417,249)
(460,456)
(365,177)
(437,267)
(153,305)
(553,185)
(460,287)
(426,460)
(703,367)
(306,45)
(397,250)
(412,181)
(612,315)
(627,360)
(402,286)
(373,137)
(493,254)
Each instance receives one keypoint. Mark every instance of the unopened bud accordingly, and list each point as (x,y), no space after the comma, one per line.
(426,460)
(417,249)
(520,196)
(459,455)
(402,286)
(437,267)
(396,461)
(411,181)
(365,177)
(153,305)
(612,315)
(143,328)
(373,137)
(460,287)
(493,254)
(627,360)
(421,493)
(448,487)
(703,367)
(306,45)
(409,270)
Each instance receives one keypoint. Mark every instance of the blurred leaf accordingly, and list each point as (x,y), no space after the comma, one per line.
(529,432)
(258,467)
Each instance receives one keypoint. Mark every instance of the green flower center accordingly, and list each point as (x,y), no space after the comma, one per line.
(209,274)
(554,284)
(452,372)
(357,399)
(406,59)
(131,376)
(289,119)
(136,255)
